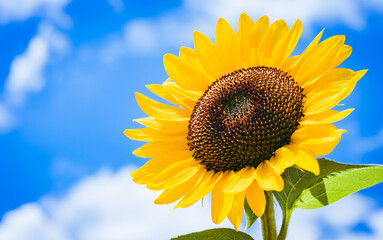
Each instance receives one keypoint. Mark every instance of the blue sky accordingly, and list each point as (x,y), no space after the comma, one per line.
(68,73)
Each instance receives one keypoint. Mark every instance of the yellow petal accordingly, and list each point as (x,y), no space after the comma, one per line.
(158,163)
(326,117)
(148,134)
(343,55)
(227,46)
(189,55)
(175,174)
(199,191)
(143,178)
(164,126)
(336,77)
(319,60)
(208,56)
(236,212)
(257,34)
(256,198)
(160,91)
(161,148)
(335,80)
(160,110)
(305,159)
(292,62)
(282,159)
(272,36)
(289,63)
(320,139)
(173,97)
(315,41)
(185,75)
(221,202)
(286,45)
(245,26)
(267,178)
(328,98)
(182,93)
(173,194)
(239,181)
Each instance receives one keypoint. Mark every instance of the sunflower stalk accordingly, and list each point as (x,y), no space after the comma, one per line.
(283,232)
(269,231)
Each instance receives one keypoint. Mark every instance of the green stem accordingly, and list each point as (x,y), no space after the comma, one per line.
(284,227)
(269,231)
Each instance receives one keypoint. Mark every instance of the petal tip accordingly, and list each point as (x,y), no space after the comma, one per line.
(341,38)
(197,34)
(362,72)
(126,132)
(244,15)
(299,22)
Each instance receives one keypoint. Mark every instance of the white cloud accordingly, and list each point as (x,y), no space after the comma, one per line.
(139,36)
(117,5)
(6,119)
(110,206)
(26,73)
(344,214)
(376,223)
(20,10)
(104,206)
(338,218)
(356,145)
(364,145)
(310,12)
(26,70)
(175,28)
(63,167)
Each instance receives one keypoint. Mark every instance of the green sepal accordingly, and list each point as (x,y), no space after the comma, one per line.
(250,216)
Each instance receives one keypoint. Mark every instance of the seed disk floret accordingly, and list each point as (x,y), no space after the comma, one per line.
(244,117)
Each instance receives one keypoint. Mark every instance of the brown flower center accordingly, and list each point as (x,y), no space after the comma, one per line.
(244,117)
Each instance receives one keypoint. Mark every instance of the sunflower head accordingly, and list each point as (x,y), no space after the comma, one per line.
(247,110)
(244,117)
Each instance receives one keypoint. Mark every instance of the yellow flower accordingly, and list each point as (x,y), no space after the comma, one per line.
(247,111)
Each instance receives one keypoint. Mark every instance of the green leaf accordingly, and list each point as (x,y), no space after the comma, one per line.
(340,184)
(216,234)
(335,181)
(250,216)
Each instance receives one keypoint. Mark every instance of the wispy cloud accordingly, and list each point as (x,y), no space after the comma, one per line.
(364,145)
(26,74)
(6,119)
(20,10)
(355,145)
(137,36)
(27,70)
(117,5)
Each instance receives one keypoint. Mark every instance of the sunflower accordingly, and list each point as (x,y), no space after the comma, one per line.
(243,110)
